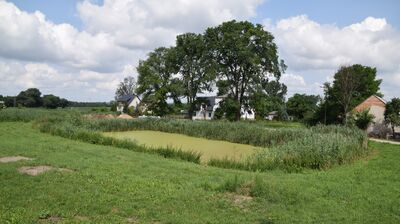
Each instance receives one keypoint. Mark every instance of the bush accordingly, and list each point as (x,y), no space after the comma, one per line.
(363,119)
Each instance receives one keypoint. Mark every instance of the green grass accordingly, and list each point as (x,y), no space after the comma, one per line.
(114,185)
(208,148)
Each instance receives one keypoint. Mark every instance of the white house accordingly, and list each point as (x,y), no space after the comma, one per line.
(206,110)
(129,101)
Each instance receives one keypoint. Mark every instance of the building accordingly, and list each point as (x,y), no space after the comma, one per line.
(128,101)
(376,106)
(273,115)
(209,104)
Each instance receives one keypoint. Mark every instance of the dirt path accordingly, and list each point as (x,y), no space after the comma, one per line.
(384,141)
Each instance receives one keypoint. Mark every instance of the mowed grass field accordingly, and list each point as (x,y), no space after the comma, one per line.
(114,185)
(208,148)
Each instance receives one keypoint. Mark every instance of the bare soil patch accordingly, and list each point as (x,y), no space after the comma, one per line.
(34,170)
(51,219)
(99,116)
(125,116)
(11,159)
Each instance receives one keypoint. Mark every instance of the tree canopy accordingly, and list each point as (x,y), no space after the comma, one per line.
(156,79)
(392,113)
(302,106)
(126,87)
(243,56)
(351,85)
(193,67)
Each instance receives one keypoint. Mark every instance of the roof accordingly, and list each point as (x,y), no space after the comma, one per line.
(273,113)
(127,98)
(373,100)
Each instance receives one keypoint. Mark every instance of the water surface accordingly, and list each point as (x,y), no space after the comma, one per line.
(208,148)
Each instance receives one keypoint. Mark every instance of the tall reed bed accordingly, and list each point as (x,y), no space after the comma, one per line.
(320,147)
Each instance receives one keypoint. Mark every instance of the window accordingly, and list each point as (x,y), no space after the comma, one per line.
(209,114)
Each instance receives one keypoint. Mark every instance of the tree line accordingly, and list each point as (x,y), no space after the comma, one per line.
(32,97)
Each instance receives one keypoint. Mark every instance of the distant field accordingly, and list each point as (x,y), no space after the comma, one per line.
(208,148)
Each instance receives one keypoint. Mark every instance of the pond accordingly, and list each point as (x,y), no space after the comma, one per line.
(208,148)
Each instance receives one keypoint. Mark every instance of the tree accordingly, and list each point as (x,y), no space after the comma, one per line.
(30,98)
(51,102)
(301,106)
(242,55)
(351,85)
(363,119)
(269,97)
(392,113)
(346,82)
(193,67)
(64,103)
(126,87)
(155,79)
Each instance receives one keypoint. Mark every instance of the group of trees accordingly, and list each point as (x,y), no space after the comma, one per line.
(32,97)
(239,59)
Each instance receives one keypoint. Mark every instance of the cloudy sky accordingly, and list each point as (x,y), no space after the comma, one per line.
(82,49)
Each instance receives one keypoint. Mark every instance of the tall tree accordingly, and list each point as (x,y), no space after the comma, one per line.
(351,85)
(392,113)
(242,55)
(302,105)
(193,67)
(126,87)
(30,98)
(156,78)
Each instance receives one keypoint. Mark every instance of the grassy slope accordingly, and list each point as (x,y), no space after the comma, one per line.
(111,185)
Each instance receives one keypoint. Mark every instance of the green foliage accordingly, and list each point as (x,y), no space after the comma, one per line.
(302,106)
(30,98)
(270,96)
(242,54)
(51,101)
(193,66)
(351,85)
(155,80)
(363,119)
(392,113)
(230,107)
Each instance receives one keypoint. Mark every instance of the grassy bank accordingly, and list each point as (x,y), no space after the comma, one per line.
(113,185)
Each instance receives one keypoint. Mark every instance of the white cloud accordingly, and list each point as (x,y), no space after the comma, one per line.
(88,64)
(154,23)
(31,37)
(310,47)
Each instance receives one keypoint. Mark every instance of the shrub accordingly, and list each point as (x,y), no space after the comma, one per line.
(363,119)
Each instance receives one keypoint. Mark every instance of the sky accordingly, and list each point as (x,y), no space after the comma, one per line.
(82,49)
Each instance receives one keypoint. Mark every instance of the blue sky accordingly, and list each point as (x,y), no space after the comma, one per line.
(82,49)
(340,12)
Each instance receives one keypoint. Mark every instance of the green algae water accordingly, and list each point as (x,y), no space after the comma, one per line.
(208,148)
